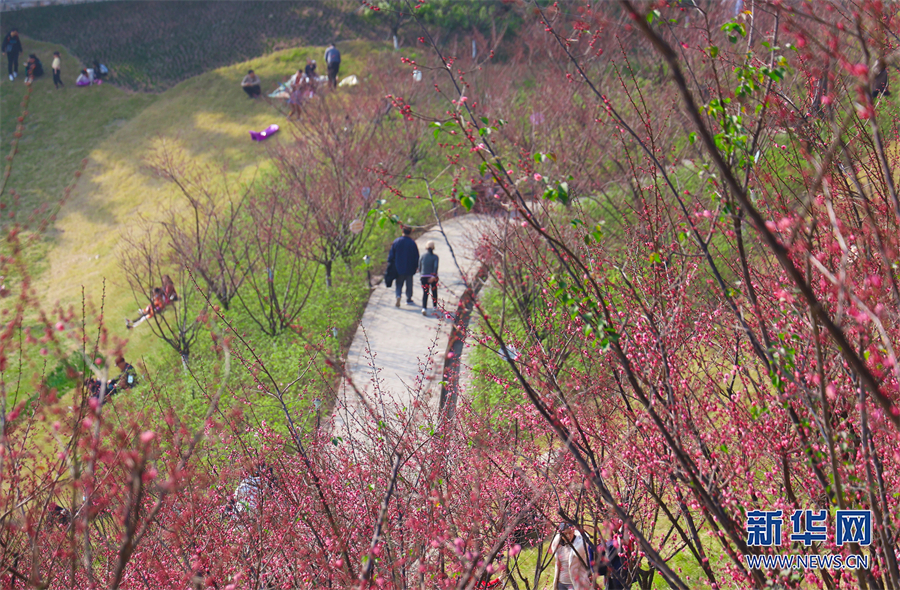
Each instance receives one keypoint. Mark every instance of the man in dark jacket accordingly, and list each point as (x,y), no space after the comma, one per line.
(12,47)
(333,62)
(404,255)
(614,567)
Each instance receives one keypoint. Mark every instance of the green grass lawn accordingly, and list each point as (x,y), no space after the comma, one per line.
(62,126)
(207,118)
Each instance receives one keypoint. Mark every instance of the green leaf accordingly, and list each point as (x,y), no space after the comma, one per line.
(713,51)
(692,137)
(467,201)
(482,168)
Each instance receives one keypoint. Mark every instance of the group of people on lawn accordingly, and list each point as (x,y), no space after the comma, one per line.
(12,47)
(126,379)
(302,85)
(161,298)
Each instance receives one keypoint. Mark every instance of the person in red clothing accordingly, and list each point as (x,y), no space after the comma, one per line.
(168,288)
(161,298)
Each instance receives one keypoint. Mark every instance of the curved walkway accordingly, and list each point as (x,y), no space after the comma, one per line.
(397,356)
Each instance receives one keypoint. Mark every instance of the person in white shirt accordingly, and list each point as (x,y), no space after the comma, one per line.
(571,571)
(55,66)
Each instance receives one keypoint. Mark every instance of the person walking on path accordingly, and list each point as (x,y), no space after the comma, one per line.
(12,47)
(428,269)
(55,66)
(333,63)
(404,255)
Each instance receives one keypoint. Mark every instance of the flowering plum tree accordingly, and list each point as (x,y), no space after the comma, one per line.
(698,276)
(343,157)
(709,338)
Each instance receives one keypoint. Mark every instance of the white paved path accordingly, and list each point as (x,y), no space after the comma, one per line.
(397,355)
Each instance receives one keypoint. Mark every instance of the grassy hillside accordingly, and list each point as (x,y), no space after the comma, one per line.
(62,127)
(207,117)
(154,45)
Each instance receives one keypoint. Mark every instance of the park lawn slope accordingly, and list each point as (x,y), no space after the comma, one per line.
(62,126)
(207,118)
(151,46)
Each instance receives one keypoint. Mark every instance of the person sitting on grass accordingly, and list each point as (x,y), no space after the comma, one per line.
(251,84)
(100,70)
(84,78)
(33,68)
(168,288)
(310,69)
(92,384)
(126,379)
(161,298)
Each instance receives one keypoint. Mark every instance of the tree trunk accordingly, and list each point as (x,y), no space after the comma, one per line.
(328,274)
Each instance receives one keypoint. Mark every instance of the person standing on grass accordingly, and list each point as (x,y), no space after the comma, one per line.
(428,269)
(295,101)
(12,47)
(55,66)
(404,255)
(333,63)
